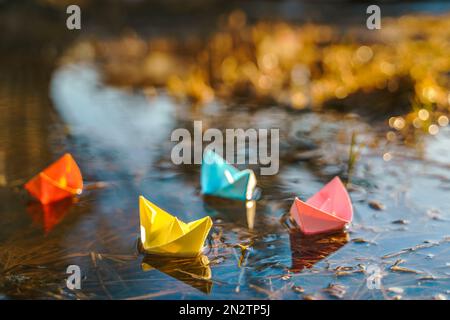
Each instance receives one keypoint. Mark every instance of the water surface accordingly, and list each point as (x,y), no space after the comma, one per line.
(121,140)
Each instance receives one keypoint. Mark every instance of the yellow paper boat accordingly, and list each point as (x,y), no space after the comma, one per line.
(162,233)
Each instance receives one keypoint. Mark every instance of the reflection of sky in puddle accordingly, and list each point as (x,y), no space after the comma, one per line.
(438,149)
(129,125)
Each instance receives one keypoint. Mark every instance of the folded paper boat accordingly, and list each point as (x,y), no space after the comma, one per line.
(164,234)
(328,210)
(60,180)
(218,178)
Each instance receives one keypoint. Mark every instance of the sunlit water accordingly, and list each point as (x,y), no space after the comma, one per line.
(122,140)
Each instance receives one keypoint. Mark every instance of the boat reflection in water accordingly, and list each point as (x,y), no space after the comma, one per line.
(192,271)
(239,212)
(250,213)
(308,250)
(49,215)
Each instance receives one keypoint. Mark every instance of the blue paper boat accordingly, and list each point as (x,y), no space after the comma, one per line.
(220,179)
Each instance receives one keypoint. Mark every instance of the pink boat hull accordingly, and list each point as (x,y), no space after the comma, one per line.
(330,209)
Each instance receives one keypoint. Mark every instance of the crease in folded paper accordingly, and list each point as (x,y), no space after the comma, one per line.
(221,179)
(162,233)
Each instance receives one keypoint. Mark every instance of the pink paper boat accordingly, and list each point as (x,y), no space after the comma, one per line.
(329,209)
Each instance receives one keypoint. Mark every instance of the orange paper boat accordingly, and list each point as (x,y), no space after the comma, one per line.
(328,210)
(60,180)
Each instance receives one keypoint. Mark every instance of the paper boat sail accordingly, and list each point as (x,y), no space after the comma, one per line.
(328,210)
(60,180)
(164,234)
(192,271)
(218,178)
